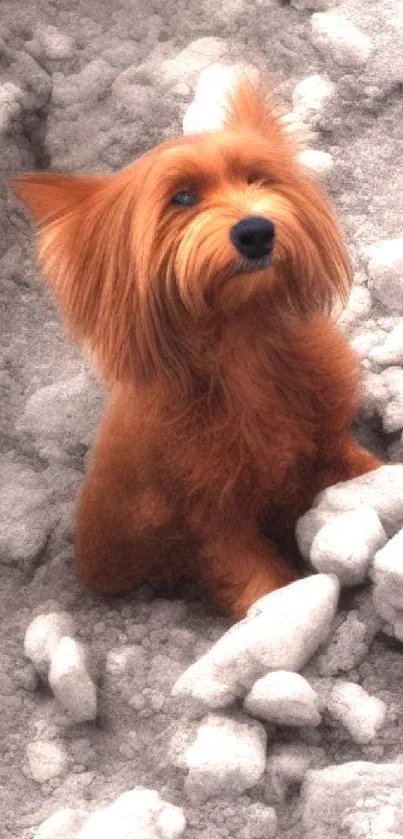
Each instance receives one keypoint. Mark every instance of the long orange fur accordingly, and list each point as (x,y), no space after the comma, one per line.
(231,393)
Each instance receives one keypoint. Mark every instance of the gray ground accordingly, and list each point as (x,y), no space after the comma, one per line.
(90,100)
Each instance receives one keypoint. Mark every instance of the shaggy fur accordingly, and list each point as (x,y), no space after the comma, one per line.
(232,391)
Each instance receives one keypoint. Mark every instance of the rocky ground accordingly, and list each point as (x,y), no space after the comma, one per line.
(96,699)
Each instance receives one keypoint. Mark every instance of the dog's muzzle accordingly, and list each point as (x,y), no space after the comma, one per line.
(253,237)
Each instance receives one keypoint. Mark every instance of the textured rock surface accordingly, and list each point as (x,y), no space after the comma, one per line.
(280,632)
(88,86)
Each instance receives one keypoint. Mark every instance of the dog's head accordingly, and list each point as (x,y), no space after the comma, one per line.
(143,260)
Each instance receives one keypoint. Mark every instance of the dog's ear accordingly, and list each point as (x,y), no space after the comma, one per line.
(84,227)
(51,195)
(249,105)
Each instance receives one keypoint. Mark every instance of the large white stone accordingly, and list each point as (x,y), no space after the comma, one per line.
(137,814)
(227,757)
(335,35)
(280,632)
(337,796)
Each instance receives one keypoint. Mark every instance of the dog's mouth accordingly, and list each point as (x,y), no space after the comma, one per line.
(250,265)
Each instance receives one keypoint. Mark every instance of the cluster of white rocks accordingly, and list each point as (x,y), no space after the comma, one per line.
(61,659)
(257,661)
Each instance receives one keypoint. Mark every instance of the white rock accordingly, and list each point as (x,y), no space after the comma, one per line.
(385,271)
(208,110)
(336,36)
(64,824)
(42,637)
(215,85)
(283,698)
(66,411)
(335,796)
(192,60)
(46,760)
(358,308)
(381,489)
(383,396)
(71,682)
(280,632)
(388,578)
(362,715)
(227,757)
(320,163)
(55,45)
(309,525)
(392,411)
(312,97)
(11,98)
(387,569)
(137,814)
(391,350)
(346,545)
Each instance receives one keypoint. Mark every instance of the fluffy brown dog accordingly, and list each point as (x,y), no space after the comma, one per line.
(202,278)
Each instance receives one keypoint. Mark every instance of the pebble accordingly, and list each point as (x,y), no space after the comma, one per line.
(11,98)
(346,545)
(312,97)
(362,715)
(390,351)
(227,757)
(320,163)
(283,698)
(336,36)
(280,632)
(381,489)
(70,680)
(42,637)
(46,760)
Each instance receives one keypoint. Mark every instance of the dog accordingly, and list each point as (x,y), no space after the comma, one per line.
(203,279)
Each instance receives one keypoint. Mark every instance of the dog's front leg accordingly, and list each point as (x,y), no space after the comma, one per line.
(344,460)
(238,569)
(121,534)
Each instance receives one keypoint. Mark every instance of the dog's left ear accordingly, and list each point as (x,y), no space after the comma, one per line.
(52,195)
(84,227)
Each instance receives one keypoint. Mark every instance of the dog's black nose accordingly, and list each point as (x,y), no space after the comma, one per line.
(253,236)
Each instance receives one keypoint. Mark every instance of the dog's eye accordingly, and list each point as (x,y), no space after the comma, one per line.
(254,178)
(184,198)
